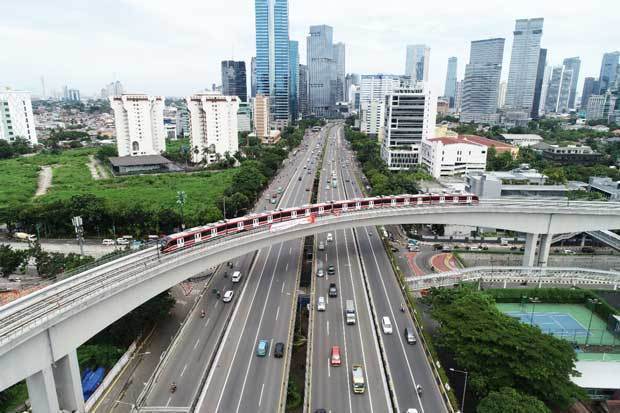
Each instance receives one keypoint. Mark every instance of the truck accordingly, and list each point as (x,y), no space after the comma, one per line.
(357,377)
(349,312)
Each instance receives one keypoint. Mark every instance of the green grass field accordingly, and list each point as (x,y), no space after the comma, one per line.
(598,330)
(71,176)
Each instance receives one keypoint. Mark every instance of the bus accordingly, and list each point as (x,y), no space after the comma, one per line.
(357,376)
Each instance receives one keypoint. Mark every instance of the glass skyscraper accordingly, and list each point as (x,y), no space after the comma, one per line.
(609,70)
(234,82)
(321,70)
(272,56)
(449,90)
(294,78)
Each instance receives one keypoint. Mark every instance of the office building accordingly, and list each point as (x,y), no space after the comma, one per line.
(293,89)
(374,88)
(458,100)
(139,121)
(303,90)
(557,94)
(112,89)
(16,117)
(214,126)
(244,117)
(449,90)
(351,83)
(481,82)
(609,71)
(272,57)
(234,82)
(590,87)
(540,77)
(70,95)
(261,116)
(501,94)
(417,61)
(524,64)
(321,71)
(409,119)
(601,107)
(340,67)
(253,76)
(574,65)
(372,116)
(450,156)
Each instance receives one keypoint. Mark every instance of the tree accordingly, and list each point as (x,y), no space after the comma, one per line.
(10,260)
(508,400)
(105,152)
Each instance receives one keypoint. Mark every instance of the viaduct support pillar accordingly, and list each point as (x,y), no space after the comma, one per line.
(42,391)
(531,241)
(545,247)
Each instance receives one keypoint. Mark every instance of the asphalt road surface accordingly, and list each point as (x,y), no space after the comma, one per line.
(241,381)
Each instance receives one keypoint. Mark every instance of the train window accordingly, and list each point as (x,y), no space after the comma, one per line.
(285,215)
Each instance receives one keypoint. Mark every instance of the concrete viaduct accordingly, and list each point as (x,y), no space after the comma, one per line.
(40,332)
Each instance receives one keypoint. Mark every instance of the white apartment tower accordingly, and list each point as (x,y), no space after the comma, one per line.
(139,121)
(409,119)
(213,119)
(261,116)
(374,88)
(16,118)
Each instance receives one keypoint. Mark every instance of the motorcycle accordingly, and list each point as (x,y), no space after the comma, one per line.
(202,314)
(173,387)
(419,389)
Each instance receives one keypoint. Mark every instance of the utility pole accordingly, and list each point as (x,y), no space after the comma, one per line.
(181,197)
(79,232)
(464,386)
(593,302)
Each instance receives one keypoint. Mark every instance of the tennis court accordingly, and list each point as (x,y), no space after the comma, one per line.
(567,321)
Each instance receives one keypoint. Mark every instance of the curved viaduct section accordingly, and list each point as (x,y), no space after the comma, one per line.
(43,328)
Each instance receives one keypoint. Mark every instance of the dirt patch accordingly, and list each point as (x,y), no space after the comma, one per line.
(97,170)
(45,180)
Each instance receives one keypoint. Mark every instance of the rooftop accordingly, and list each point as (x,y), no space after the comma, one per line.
(597,375)
(138,160)
(521,136)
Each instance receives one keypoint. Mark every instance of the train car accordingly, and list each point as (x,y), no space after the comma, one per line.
(259,221)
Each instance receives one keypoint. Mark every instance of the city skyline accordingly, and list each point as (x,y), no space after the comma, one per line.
(113,46)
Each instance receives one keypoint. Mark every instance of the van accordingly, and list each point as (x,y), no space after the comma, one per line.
(386,325)
(409,336)
(236,277)
(349,311)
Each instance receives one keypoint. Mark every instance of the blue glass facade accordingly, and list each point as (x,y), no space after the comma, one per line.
(272,55)
(294,78)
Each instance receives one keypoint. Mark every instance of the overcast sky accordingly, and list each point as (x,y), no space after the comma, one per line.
(174,47)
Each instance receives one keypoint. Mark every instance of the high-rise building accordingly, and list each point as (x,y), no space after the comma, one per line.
(112,89)
(321,71)
(16,117)
(234,82)
(272,56)
(417,61)
(590,87)
(574,65)
(213,119)
(562,86)
(409,119)
(293,88)
(540,75)
(351,81)
(524,64)
(554,89)
(71,95)
(458,100)
(449,90)
(481,82)
(609,71)
(182,122)
(501,95)
(261,116)
(139,121)
(340,67)
(253,76)
(374,88)
(601,107)
(244,117)
(303,90)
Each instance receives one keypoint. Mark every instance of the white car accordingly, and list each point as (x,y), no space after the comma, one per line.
(321,304)
(122,241)
(386,325)
(412,410)
(320,273)
(330,237)
(108,242)
(228,296)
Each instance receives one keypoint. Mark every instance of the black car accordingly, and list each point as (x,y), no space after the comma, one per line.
(331,270)
(278,350)
(333,290)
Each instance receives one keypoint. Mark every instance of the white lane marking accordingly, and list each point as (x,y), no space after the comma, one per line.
(216,304)
(286,269)
(329,368)
(277,313)
(168,402)
(260,400)
(260,322)
(270,347)
(183,371)
(196,345)
(282,289)
(290,250)
(207,322)
(327,325)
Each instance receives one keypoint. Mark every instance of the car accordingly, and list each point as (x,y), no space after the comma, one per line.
(410,336)
(228,296)
(263,348)
(273,200)
(331,270)
(278,350)
(413,248)
(320,272)
(334,357)
(321,306)
(108,242)
(569,252)
(327,187)
(122,241)
(330,237)
(333,290)
(236,277)
(412,411)
(386,325)
(321,246)
(299,179)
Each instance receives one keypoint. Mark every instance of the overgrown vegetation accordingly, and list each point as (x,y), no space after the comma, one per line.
(500,352)
(13,149)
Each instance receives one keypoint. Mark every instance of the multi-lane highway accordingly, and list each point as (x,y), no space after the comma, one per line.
(357,253)
(241,381)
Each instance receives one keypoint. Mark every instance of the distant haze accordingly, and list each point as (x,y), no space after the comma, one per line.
(175,48)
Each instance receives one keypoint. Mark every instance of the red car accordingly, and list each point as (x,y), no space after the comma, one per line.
(335,356)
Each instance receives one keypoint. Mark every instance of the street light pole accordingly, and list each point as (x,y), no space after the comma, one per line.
(534,301)
(464,386)
(593,302)
(79,232)
(181,197)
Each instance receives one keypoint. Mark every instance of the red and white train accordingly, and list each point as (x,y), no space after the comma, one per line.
(220,229)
